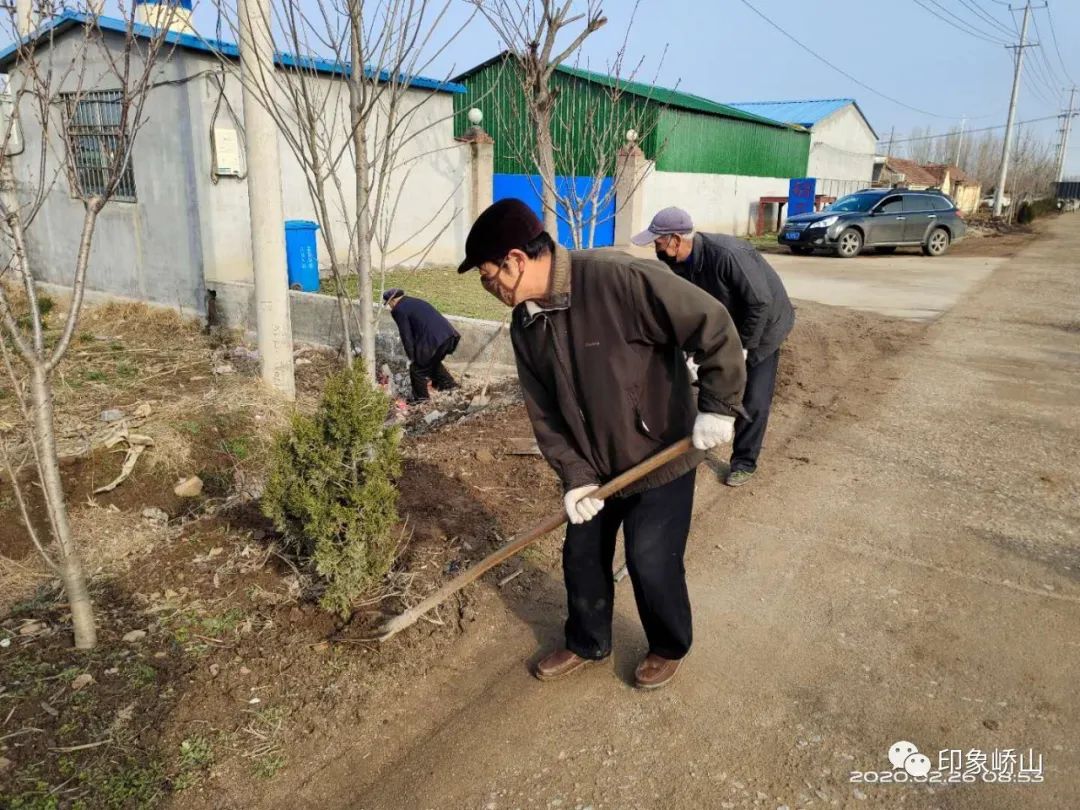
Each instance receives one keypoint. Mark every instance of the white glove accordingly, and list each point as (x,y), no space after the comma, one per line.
(712,429)
(693,367)
(579,507)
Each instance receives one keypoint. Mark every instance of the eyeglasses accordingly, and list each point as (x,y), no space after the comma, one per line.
(488,279)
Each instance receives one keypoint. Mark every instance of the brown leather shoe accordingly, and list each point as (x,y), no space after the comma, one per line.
(654,671)
(561,663)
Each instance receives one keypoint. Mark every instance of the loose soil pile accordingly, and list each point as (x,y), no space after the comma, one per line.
(215,670)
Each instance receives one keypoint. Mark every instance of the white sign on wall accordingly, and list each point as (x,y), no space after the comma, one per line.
(228,156)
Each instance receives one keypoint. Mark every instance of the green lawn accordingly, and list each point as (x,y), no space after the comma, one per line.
(441,287)
(452,294)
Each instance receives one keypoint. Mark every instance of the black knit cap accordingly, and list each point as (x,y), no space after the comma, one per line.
(507,225)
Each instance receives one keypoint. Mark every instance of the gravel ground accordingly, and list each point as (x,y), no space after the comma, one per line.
(907,567)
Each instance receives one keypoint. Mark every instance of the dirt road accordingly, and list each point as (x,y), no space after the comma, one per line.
(900,286)
(909,570)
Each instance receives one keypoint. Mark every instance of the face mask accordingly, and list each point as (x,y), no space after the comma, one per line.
(670,261)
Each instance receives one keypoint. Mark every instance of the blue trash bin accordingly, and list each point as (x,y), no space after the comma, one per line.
(302,254)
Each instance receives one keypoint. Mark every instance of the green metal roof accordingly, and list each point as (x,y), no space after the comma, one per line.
(671,98)
(662,96)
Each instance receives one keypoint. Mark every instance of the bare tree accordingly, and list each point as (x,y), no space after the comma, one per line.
(1032,165)
(59,87)
(530,30)
(615,117)
(348,107)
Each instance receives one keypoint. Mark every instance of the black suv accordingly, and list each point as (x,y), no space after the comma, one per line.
(883,219)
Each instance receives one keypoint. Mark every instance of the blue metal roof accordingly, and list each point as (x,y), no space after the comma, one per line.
(71,19)
(804,113)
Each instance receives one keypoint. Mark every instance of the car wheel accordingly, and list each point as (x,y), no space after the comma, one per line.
(849,244)
(800,250)
(937,243)
(885,251)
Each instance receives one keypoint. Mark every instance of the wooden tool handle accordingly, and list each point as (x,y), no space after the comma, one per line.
(526,538)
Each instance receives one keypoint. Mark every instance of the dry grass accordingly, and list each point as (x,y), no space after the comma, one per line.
(19,579)
(158,369)
(110,539)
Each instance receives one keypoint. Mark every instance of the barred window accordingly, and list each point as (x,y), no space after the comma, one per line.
(93,126)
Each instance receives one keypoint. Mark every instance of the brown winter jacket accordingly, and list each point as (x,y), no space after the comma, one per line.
(602,366)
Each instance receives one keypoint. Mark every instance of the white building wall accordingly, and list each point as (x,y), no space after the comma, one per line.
(188,230)
(148,249)
(842,148)
(718,203)
(424,217)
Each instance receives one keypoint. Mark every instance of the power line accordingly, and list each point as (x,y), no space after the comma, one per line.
(1029,81)
(1042,51)
(959,25)
(973,131)
(990,18)
(1053,34)
(841,71)
(1041,69)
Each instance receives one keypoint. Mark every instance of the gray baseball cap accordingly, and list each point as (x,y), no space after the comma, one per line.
(670,220)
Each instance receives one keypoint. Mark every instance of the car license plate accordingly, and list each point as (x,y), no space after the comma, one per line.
(792,236)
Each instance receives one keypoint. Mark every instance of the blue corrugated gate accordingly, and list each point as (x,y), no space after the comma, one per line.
(527,188)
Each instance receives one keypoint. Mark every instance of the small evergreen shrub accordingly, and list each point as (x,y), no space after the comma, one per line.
(1032,210)
(331,489)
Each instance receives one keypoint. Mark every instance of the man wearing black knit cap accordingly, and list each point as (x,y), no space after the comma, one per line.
(599,338)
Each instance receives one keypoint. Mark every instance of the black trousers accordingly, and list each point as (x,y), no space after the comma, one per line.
(655,526)
(760,385)
(433,370)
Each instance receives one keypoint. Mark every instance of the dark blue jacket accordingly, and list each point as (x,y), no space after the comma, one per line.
(423,330)
(736,275)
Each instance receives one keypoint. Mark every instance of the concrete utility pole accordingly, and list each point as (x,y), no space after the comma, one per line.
(24,17)
(1066,127)
(272,319)
(999,192)
(960,141)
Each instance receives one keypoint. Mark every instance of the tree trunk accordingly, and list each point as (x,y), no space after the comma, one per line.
(367,309)
(545,164)
(361,167)
(71,572)
(363,249)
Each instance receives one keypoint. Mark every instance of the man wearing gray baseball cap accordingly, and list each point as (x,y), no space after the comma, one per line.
(737,275)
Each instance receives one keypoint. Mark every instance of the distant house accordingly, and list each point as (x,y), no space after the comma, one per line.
(952,180)
(842,142)
(965,190)
(178,229)
(894,171)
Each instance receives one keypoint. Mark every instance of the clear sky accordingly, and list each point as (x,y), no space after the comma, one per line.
(722,50)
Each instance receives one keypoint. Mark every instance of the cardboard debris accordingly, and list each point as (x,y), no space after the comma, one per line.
(133,453)
(136,443)
(523,447)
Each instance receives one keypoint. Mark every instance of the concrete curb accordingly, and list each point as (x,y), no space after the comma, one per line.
(315,320)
